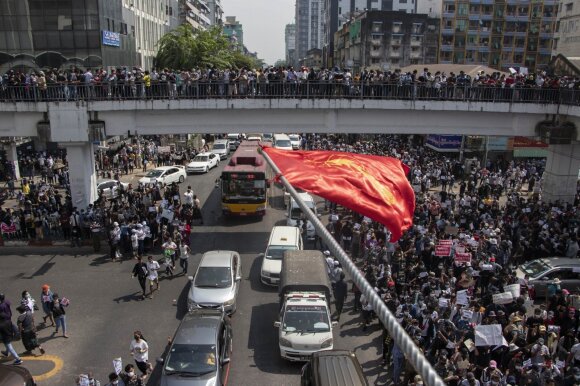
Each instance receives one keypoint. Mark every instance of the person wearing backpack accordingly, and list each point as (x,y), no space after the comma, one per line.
(9,333)
(27,329)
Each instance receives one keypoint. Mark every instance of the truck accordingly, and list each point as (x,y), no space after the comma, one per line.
(305,325)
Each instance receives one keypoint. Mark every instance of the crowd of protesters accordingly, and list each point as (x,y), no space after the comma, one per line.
(136,83)
(493,212)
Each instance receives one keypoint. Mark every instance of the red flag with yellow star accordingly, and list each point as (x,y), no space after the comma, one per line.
(374,186)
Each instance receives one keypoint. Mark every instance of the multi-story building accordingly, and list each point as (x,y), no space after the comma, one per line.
(567,37)
(234,30)
(310,26)
(150,20)
(216,12)
(430,7)
(339,12)
(38,34)
(498,33)
(196,13)
(290,40)
(386,40)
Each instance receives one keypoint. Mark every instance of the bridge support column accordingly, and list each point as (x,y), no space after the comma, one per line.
(82,176)
(561,174)
(12,156)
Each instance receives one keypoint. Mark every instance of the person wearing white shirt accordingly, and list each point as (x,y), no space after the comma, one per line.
(188,197)
(140,351)
(153,267)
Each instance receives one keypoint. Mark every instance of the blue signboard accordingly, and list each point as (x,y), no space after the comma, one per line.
(111,39)
(447,142)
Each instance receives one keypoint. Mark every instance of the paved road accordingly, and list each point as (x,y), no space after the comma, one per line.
(105,308)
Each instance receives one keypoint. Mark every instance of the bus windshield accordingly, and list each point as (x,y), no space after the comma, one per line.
(241,189)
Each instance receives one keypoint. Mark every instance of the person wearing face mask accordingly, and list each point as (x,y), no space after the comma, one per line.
(140,351)
(129,377)
(115,380)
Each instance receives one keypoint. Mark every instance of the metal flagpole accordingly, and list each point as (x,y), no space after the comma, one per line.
(401,338)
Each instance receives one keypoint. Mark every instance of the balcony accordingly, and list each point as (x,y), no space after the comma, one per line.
(394,54)
(518,49)
(415,55)
(448,15)
(545,51)
(376,42)
(447,31)
(487,2)
(396,42)
(486,16)
(483,48)
(375,54)
(446,47)
(416,43)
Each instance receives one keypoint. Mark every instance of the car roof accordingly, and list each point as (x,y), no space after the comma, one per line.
(337,368)
(100,181)
(207,154)
(198,328)
(165,167)
(217,259)
(561,261)
(221,141)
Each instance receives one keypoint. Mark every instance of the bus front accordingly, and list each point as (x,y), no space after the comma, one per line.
(243,193)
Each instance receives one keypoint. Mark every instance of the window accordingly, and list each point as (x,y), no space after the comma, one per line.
(569,6)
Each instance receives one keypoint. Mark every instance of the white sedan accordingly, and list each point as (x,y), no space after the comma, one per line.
(165,175)
(203,162)
(110,188)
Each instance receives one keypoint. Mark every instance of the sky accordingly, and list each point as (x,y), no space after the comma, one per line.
(263,22)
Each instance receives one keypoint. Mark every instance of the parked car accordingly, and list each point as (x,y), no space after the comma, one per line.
(15,376)
(203,162)
(542,273)
(216,282)
(267,137)
(333,368)
(234,139)
(165,175)
(200,351)
(110,188)
(295,140)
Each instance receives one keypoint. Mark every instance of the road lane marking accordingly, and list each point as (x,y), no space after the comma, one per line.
(56,361)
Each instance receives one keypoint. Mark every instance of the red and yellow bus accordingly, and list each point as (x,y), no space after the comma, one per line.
(244,182)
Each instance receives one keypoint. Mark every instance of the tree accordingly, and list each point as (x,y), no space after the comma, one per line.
(187,48)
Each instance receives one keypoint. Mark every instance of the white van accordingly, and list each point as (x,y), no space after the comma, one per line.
(282,141)
(282,238)
(221,147)
(295,214)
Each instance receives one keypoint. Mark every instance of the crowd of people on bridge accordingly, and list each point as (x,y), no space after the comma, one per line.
(489,218)
(303,82)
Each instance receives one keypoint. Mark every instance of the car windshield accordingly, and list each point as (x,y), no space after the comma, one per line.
(294,138)
(200,158)
(154,173)
(283,143)
(306,319)
(214,277)
(535,268)
(296,213)
(194,359)
(276,252)
(219,146)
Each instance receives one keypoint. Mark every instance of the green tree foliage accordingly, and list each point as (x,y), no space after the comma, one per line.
(185,48)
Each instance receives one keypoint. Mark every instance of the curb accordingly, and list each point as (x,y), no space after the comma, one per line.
(43,243)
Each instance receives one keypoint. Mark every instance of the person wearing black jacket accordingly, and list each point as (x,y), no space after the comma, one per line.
(140,271)
(7,335)
(340,294)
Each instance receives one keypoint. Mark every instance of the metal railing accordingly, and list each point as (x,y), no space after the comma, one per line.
(283,90)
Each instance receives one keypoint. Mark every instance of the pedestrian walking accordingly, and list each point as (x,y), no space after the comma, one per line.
(184,251)
(115,239)
(46,300)
(27,328)
(28,302)
(7,334)
(129,377)
(140,351)
(340,294)
(59,314)
(5,306)
(140,271)
(115,380)
(152,268)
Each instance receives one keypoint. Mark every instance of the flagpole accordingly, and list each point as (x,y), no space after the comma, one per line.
(396,331)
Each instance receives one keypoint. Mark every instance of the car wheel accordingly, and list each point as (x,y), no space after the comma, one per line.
(206,169)
(181,179)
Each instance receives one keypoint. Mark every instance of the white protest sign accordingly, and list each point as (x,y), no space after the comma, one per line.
(514,289)
(503,298)
(118,365)
(168,214)
(489,335)
(443,303)
(467,314)
(462,298)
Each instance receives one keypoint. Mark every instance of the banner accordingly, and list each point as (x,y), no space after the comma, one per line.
(514,289)
(489,335)
(168,214)
(503,298)
(445,242)
(463,257)
(118,365)
(442,250)
(462,298)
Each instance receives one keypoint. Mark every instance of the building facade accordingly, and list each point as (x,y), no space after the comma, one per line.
(216,12)
(310,26)
(567,37)
(290,43)
(234,30)
(196,13)
(339,12)
(432,8)
(36,34)
(386,40)
(498,33)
